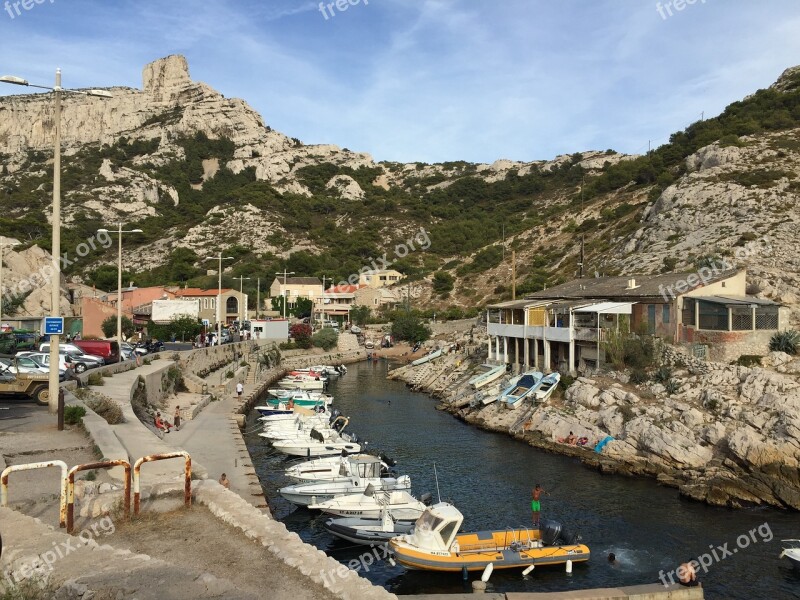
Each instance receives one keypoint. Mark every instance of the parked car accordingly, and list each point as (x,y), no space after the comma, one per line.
(66,362)
(22,364)
(75,351)
(107,349)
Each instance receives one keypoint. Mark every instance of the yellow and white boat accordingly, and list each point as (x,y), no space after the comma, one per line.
(436,545)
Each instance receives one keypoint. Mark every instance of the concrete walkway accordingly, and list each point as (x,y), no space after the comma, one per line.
(212,438)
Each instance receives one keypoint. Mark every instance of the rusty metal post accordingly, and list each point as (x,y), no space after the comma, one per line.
(61,409)
(187,474)
(106,464)
(62,504)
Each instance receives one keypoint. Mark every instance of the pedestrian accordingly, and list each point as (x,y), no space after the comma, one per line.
(239,389)
(536,505)
(223,481)
(177,418)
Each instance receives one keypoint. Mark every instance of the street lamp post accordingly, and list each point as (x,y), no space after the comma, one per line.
(55,299)
(258,296)
(242,319)
(2,248)
(220,258)
(283,291)
(324,278)
(119,233)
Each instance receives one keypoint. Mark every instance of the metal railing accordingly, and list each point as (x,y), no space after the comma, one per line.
(105,464)
(62,505)
(187,470)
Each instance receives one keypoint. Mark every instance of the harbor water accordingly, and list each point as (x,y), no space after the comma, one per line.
(489,477)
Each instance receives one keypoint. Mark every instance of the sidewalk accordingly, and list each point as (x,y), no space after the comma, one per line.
(212,438)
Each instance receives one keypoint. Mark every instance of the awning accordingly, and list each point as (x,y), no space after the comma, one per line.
(609,308)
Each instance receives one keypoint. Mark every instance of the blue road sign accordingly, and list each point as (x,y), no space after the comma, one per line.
(53,325)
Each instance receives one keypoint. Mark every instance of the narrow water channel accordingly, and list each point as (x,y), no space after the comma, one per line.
(489,476)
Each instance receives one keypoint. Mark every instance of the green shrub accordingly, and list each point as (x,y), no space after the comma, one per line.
(95,379)
(228,374)
(326,338)
(672,387)
(662,375)
(565,382)
(639,376)
(785,341)
(106,408)
(73,414)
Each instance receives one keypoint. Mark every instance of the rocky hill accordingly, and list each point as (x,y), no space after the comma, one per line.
(200,173)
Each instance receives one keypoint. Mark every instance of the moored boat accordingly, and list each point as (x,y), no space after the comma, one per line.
(791,550)
(315,492)
(401,505)
(427,358)
(487,377)
(436,545)
(367,531)
(525,387)
(333,467)
(547,387)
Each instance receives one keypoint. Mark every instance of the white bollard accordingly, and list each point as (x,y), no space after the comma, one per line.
(569,566)
(487,572)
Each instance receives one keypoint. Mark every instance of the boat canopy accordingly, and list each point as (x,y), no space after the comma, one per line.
(437,527)
(608,308)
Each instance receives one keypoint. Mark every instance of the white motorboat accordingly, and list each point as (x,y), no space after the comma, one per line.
(302,382)
(495,392)
(367,531)
(427,358)
(524,388)
(401,505)
(315,492)
(319,445)
(292,414)
(332,467)
(791,550)
(547,387)
(301,431)
(487,377)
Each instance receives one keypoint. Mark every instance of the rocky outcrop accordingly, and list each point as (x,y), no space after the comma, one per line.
(730,436)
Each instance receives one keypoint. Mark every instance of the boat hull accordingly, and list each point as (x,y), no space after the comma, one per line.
(365,531)
(504,559)
(321,449)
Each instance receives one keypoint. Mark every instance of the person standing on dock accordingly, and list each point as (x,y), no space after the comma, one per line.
(536,504)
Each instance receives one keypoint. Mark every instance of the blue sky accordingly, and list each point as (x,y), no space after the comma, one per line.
(430,80)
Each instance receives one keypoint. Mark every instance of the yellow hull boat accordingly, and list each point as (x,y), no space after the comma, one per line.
(435,545)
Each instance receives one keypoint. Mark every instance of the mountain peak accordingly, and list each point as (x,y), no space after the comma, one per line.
(166,75)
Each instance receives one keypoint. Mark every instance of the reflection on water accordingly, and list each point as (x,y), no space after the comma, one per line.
(489,477)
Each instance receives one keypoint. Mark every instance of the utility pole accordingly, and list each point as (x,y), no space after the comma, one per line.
(580,264)
(258,296)
(283,291)
(504,242)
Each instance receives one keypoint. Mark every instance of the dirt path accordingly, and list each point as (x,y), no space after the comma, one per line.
(195,539)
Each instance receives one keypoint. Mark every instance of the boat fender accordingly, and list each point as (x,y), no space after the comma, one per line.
(528,571)
(487,572)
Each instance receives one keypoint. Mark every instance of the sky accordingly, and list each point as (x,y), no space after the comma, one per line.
(429,80)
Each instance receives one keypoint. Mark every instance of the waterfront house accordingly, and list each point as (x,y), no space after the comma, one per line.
(563,328)
(378,279)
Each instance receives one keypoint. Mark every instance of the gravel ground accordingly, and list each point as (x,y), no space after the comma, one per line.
(195,538)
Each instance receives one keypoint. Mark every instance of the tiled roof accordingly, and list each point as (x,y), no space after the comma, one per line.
(192,292)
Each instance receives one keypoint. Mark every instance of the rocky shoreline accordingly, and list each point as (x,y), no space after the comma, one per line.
(727,435)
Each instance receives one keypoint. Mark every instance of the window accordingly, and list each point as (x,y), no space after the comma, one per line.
(665,314)
(232,305)
(713,317)
(687,315)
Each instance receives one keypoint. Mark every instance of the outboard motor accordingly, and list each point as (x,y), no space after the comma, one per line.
(568,537)
(426,498)
(550,532)
(317,436)
(389,461)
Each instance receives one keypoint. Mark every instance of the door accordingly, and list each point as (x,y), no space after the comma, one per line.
(651,318)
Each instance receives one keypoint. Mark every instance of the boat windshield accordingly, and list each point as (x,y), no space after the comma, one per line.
(427,522)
